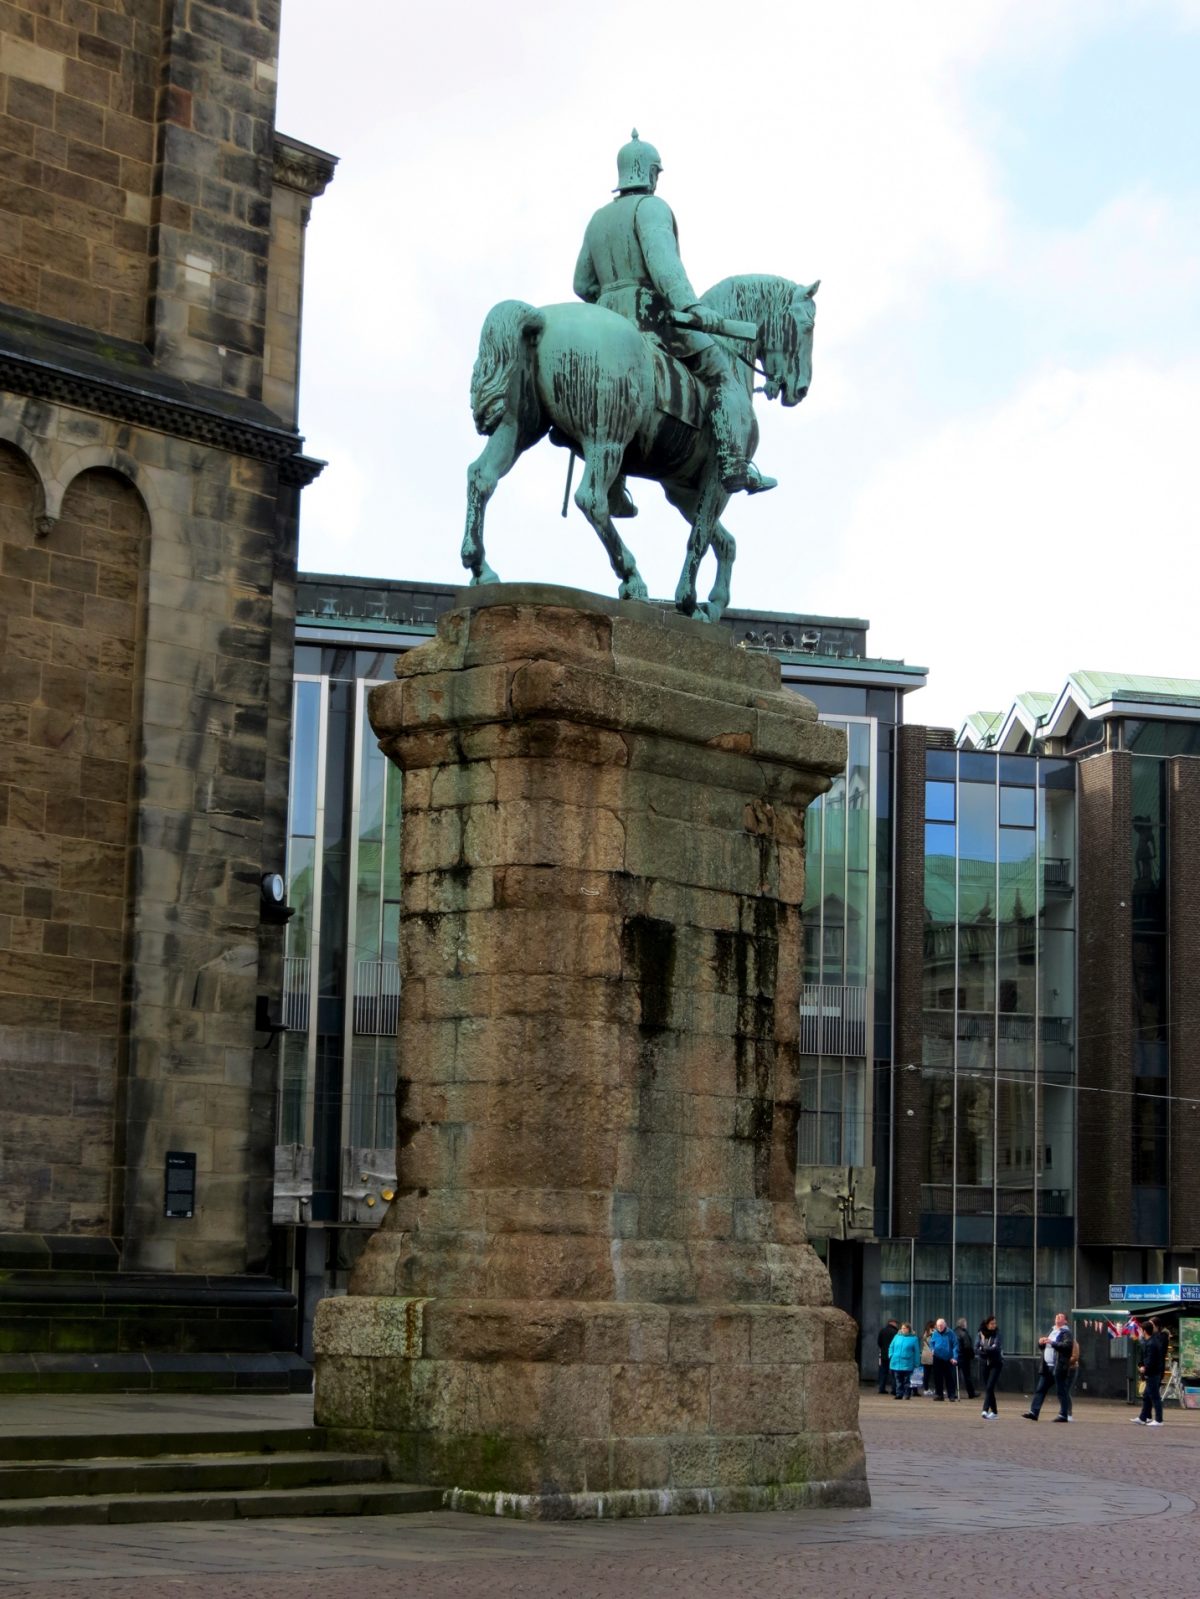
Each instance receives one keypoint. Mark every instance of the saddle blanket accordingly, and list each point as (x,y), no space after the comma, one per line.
(677,392)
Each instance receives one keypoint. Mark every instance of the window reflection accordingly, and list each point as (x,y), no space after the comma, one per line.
(997,1066)
(839,930)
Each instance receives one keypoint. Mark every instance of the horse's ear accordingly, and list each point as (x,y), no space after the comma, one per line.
(813,287)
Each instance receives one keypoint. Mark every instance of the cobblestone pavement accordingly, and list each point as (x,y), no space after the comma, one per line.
(1005,1508)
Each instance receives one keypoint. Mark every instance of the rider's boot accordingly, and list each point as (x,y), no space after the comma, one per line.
(758,482)
(620,503)
(736,471)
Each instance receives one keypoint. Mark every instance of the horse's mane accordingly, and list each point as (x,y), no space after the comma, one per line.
(749,292)
(757,298)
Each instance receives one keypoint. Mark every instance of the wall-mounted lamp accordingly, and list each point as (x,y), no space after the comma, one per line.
(273,906)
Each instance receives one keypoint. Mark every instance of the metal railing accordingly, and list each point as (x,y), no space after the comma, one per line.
(984,1027)
(376,997)
(1056,873)
(833,1019)
(943,1199)
(297,982)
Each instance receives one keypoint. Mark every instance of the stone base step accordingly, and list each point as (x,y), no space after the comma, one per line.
(91,1373)
(147,1445)
(338,1499)
(183,1474)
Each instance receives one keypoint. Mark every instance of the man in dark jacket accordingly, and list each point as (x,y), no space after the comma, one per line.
(1152,1366)
(1056,1364)
(886,1334)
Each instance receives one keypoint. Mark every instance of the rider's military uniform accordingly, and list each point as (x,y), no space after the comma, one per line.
(630,264)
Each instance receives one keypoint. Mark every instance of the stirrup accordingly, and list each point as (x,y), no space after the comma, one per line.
(620,503)
(745,475)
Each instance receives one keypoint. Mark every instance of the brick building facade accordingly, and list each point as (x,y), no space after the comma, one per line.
(151,254)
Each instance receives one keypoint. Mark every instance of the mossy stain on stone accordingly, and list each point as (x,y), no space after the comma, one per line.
(648,957)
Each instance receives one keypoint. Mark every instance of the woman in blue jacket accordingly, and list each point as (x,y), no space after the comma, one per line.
(991,1363)
(903,1355)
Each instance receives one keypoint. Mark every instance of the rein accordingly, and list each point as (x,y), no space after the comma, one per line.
(757,370)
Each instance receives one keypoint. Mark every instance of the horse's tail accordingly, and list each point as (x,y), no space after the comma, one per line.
(509,329)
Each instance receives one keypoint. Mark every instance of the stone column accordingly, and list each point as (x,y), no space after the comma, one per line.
(593,1294)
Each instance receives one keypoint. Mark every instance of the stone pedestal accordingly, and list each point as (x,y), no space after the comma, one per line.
(593,1294)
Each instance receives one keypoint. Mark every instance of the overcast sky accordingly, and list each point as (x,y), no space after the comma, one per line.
(997,462)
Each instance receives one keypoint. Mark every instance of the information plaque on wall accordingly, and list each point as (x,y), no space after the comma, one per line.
(180,1201)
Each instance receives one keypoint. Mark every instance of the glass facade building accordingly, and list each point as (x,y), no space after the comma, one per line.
(996,1070)
(940,1048)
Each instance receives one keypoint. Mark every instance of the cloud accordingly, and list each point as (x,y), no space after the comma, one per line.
(1046,534)
(847,142)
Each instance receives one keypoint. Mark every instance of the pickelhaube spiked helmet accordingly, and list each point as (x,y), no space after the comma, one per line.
(636,162)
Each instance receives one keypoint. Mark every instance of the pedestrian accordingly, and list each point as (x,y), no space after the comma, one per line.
(927,1358)
(1056,1361)
(944,1344)
(886,1333)
(904,1357)
(991,1363)
(966,1356)
(1153,1365)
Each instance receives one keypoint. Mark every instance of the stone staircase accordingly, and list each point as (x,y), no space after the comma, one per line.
(116,1479)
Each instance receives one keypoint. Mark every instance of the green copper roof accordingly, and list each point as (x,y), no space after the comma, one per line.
(1099,687)
(1044,716)
(981,727)
(1035,704)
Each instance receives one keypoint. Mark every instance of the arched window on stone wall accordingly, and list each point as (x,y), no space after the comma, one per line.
(72,607)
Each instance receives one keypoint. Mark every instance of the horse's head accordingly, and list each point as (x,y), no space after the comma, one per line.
(785,348)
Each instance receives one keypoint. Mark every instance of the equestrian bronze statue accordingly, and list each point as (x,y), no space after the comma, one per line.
(645,378)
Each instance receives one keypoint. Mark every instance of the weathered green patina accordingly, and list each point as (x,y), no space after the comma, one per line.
(646,378)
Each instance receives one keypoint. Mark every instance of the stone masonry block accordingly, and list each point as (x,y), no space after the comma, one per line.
(370,1327)
(543,832)
(651,1400)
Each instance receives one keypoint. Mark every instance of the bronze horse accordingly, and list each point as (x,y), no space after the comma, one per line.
(588,374)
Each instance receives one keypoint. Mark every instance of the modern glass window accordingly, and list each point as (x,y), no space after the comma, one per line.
(997,1064)
(837,997)
(305,827)
(372,965)
(1161,738)
(895,1279)
(341,973)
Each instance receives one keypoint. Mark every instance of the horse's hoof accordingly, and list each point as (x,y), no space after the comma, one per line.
(633,589)
(485,575)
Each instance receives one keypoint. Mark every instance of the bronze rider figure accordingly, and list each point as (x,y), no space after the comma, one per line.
(630,264)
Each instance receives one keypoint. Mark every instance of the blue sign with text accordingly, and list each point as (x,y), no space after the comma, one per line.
(1119,1293)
